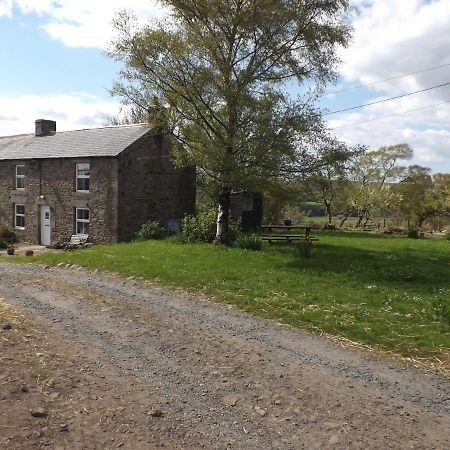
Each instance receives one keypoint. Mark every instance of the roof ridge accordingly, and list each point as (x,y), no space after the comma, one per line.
(90,142)
(16,135)
(131,125)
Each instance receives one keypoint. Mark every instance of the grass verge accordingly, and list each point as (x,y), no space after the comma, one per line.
(387,292)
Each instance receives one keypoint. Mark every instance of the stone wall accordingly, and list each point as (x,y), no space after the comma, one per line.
(52,182)
(139,185)
(150,188)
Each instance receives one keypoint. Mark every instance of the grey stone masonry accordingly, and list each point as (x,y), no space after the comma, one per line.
(137,185)
(45,127)
(150,188)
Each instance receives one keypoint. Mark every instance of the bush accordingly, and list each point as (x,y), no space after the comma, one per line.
(3,245)
(415,233)
(150,230)
(447,236)
(202,227)
(249,242)
(7,235)
(199,228)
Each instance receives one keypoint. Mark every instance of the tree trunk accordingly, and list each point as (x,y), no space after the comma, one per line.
(329,212)
(222,234)
(360,218)
(344,219)
(419,222)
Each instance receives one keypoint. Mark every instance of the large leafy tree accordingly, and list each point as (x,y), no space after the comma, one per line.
(423,195)
(218,71)
(330,183)
(372,177)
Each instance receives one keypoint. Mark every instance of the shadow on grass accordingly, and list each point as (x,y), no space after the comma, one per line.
(358,235)
(400,268)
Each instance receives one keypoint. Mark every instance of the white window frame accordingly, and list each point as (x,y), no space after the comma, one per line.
(82,177)
(84,221)
(16,215)
(247,202)
(20,177)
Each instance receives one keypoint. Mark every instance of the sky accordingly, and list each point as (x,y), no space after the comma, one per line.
(54,67)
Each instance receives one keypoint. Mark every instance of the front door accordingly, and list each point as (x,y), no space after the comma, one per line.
(45,225)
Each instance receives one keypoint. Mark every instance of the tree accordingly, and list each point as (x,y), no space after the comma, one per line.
(424,195)
(330,183)
(220,68)
(129,115)
(372,175)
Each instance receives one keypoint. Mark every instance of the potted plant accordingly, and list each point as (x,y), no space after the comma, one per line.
(10,250)
(287,222)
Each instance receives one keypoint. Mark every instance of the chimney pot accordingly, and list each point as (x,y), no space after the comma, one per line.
(45,127)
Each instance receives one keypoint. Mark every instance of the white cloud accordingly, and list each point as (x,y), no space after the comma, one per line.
(81,23)
(426,130)
(391,38)
(6,8)
(395,37)
(71,112)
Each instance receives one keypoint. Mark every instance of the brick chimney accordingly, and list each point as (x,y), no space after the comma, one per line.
(45,127)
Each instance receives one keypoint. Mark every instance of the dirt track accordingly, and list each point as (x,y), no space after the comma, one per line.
(133,366)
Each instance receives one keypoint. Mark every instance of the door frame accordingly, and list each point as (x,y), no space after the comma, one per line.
(42,210)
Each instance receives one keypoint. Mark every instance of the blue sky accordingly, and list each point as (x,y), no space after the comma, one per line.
(53,67)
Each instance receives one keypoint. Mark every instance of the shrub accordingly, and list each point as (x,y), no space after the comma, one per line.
(447,236)
(150,230)
(7,235)
(3,245)
(202,227)
(249,242)
(415,233)
(199,228)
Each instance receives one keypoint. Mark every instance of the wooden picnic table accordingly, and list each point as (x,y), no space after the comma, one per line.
(287,237)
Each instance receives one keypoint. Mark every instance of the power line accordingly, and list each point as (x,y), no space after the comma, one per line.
(386,79)
(387,99)
(389,115)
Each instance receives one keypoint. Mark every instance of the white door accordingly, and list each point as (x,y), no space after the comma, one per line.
(45,225)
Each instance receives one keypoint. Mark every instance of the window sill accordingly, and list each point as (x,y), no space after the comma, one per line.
(19,228)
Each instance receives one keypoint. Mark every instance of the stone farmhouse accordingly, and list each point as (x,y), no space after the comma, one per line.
(104,182)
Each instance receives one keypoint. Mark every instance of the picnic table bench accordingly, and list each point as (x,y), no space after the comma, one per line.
(288,236)
(76,241)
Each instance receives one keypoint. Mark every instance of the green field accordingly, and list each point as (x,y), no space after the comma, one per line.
(391,293)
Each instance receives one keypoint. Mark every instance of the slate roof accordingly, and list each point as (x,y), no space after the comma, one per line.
(96,142)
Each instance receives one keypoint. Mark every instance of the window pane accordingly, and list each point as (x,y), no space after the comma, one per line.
(82,184)
(20,216)
(20,221)
(20,170)
(82,228)
(82,214)
(20,183)
(247,203)
(82,170)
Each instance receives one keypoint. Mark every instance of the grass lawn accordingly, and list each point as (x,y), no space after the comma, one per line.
(388,292)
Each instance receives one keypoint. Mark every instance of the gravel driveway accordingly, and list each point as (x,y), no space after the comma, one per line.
(219,378)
